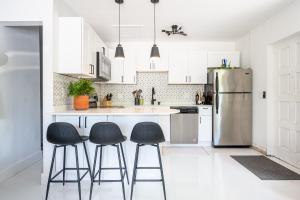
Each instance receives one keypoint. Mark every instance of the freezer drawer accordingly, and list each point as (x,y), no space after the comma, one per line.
(232,119)
(184,129)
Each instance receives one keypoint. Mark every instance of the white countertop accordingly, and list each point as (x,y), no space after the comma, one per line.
(134,110)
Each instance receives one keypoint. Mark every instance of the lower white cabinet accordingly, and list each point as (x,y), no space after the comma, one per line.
(205,125)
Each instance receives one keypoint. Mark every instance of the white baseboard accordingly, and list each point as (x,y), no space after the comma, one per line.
(20,165)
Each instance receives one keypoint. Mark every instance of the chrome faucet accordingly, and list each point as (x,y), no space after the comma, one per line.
(152,97)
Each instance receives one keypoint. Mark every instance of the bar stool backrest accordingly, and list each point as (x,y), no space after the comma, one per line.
(105,132)
(62,133)
(147,133)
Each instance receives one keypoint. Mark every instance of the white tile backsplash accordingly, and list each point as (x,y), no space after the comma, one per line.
(122,94)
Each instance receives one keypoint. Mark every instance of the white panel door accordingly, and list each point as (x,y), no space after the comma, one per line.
(287,139)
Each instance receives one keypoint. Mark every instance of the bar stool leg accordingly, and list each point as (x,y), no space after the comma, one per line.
(87,159)
(100,164)
(78,175)
(93,173)
(161,171)
(124,163)
(134,169)
(121,171)
(50,173)
(64,166)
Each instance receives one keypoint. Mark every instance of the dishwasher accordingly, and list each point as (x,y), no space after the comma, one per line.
(184,125)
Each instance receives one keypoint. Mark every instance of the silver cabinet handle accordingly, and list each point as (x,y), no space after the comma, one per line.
(190,78)
(186,79)
(85,124)
(122,79)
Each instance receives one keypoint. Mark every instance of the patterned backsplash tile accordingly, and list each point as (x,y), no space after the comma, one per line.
(166,94)
(122,94)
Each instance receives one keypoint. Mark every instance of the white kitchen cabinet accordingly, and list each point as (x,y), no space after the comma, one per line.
(123,71)
(205,125)
(197,66)
(187,66)
(214,59)
(178,67)
(145,64)
(77,47)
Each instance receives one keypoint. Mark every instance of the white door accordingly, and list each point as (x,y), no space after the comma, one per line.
(178,67)
(287,138)
(197,61)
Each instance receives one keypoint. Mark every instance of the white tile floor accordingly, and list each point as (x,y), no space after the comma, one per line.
(191,174)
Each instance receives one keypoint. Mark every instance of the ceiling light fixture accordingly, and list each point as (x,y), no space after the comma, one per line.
(154,51)
(119,54)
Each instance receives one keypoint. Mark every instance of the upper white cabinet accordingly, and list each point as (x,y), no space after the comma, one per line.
(214,59)
(123,71)
(77,47)
(187,66)
(143,62)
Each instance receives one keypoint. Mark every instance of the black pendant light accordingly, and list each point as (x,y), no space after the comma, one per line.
(119,49)
(154,51)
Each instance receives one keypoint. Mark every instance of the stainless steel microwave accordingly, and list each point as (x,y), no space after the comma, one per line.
(103,67)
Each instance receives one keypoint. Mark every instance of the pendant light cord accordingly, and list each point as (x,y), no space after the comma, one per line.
(119,23)
(154,26)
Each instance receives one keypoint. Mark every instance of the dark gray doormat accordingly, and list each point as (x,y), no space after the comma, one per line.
(266,169)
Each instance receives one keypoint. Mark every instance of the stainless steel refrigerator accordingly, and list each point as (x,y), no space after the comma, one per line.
(232,106)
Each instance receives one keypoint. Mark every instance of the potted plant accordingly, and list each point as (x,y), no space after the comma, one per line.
(81,90)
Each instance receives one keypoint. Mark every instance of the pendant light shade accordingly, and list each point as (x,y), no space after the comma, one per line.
(119,54)
(154,51)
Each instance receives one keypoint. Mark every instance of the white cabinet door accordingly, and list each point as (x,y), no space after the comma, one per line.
(205,128)
(117,67)
(129,71)
(178,67)
(143,62)
(197,66)
(214,59)
(76,48)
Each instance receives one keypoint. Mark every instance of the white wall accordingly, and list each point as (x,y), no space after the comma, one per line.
(32,12)
(19,99)
(280,26)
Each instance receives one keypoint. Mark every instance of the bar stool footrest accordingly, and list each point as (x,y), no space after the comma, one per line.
(68,181)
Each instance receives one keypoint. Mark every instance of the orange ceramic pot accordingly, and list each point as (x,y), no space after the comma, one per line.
(81,102)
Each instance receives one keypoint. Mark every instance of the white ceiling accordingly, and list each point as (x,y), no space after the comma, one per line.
(221,20)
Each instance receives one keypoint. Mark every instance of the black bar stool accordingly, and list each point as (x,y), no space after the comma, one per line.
(147,133)
(107,134)
(63,134)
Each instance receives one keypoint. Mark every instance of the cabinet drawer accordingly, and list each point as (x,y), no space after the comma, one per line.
(205,110)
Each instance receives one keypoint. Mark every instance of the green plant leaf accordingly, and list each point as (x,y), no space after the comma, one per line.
(80,88)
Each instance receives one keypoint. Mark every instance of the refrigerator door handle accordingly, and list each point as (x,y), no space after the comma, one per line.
(217,103)
(217,82)
(217,92)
